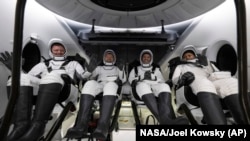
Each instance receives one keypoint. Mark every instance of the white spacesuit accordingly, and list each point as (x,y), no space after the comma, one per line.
(48,78)
(51,70)
(105,79)
(156,84)
(210,85)
(207,77)
(151,88)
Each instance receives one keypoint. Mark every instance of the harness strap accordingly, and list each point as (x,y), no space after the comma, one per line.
(136,69)
(61,67)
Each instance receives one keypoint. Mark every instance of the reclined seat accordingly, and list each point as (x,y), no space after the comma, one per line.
(95,111)
(190,106)
(161,110)
(137,106)
(67,106)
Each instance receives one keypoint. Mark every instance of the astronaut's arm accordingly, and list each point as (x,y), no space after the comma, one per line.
(81,73)
(38,70)
(158,76)
(176,75)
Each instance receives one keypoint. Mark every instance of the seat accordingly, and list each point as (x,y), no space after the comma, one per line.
(65,92)
(95,111)
(192,110)
(189,105)
(136,103)
(67,107)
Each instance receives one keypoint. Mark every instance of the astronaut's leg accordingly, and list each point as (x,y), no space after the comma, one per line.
(165,107)
(107,106)
(22,111)
(8,96)
(8,88)
(233,104)
(151,103)
(228,90)
(48,93)
(166,111)
(145,93)
(211,107)
(80,128)
(209,100)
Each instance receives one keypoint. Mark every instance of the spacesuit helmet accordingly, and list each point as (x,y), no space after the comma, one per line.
(149,62)
(108,60)
(189,49)
(57,41)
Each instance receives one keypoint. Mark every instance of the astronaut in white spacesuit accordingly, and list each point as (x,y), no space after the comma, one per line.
(105,80)
(151,88)
(48,78)
(210,85)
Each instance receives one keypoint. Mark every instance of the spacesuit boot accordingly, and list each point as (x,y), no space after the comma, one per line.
(9,89)
(233,104)
(47,98)
(211,108)
(80,128)
(22,113)
(8,96)
(107,106)
(166,111)
(152,105)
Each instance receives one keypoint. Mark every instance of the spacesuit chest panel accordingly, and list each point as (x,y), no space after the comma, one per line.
(110,74)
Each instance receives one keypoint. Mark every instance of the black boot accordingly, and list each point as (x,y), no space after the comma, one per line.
(107,106)
(80,128)
(152,104)
(8,96)
(22,113)
(47,98)
(211,108)
(233,104)
(9,89)
(166,111)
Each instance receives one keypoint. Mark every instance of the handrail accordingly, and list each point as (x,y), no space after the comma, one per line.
(16,63)
(242,58)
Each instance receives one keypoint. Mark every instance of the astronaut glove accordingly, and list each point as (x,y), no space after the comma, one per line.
(147,75)
(186,79)
(118,82)
(6,58)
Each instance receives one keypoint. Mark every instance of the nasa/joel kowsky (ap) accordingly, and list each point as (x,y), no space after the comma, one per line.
(185,132)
